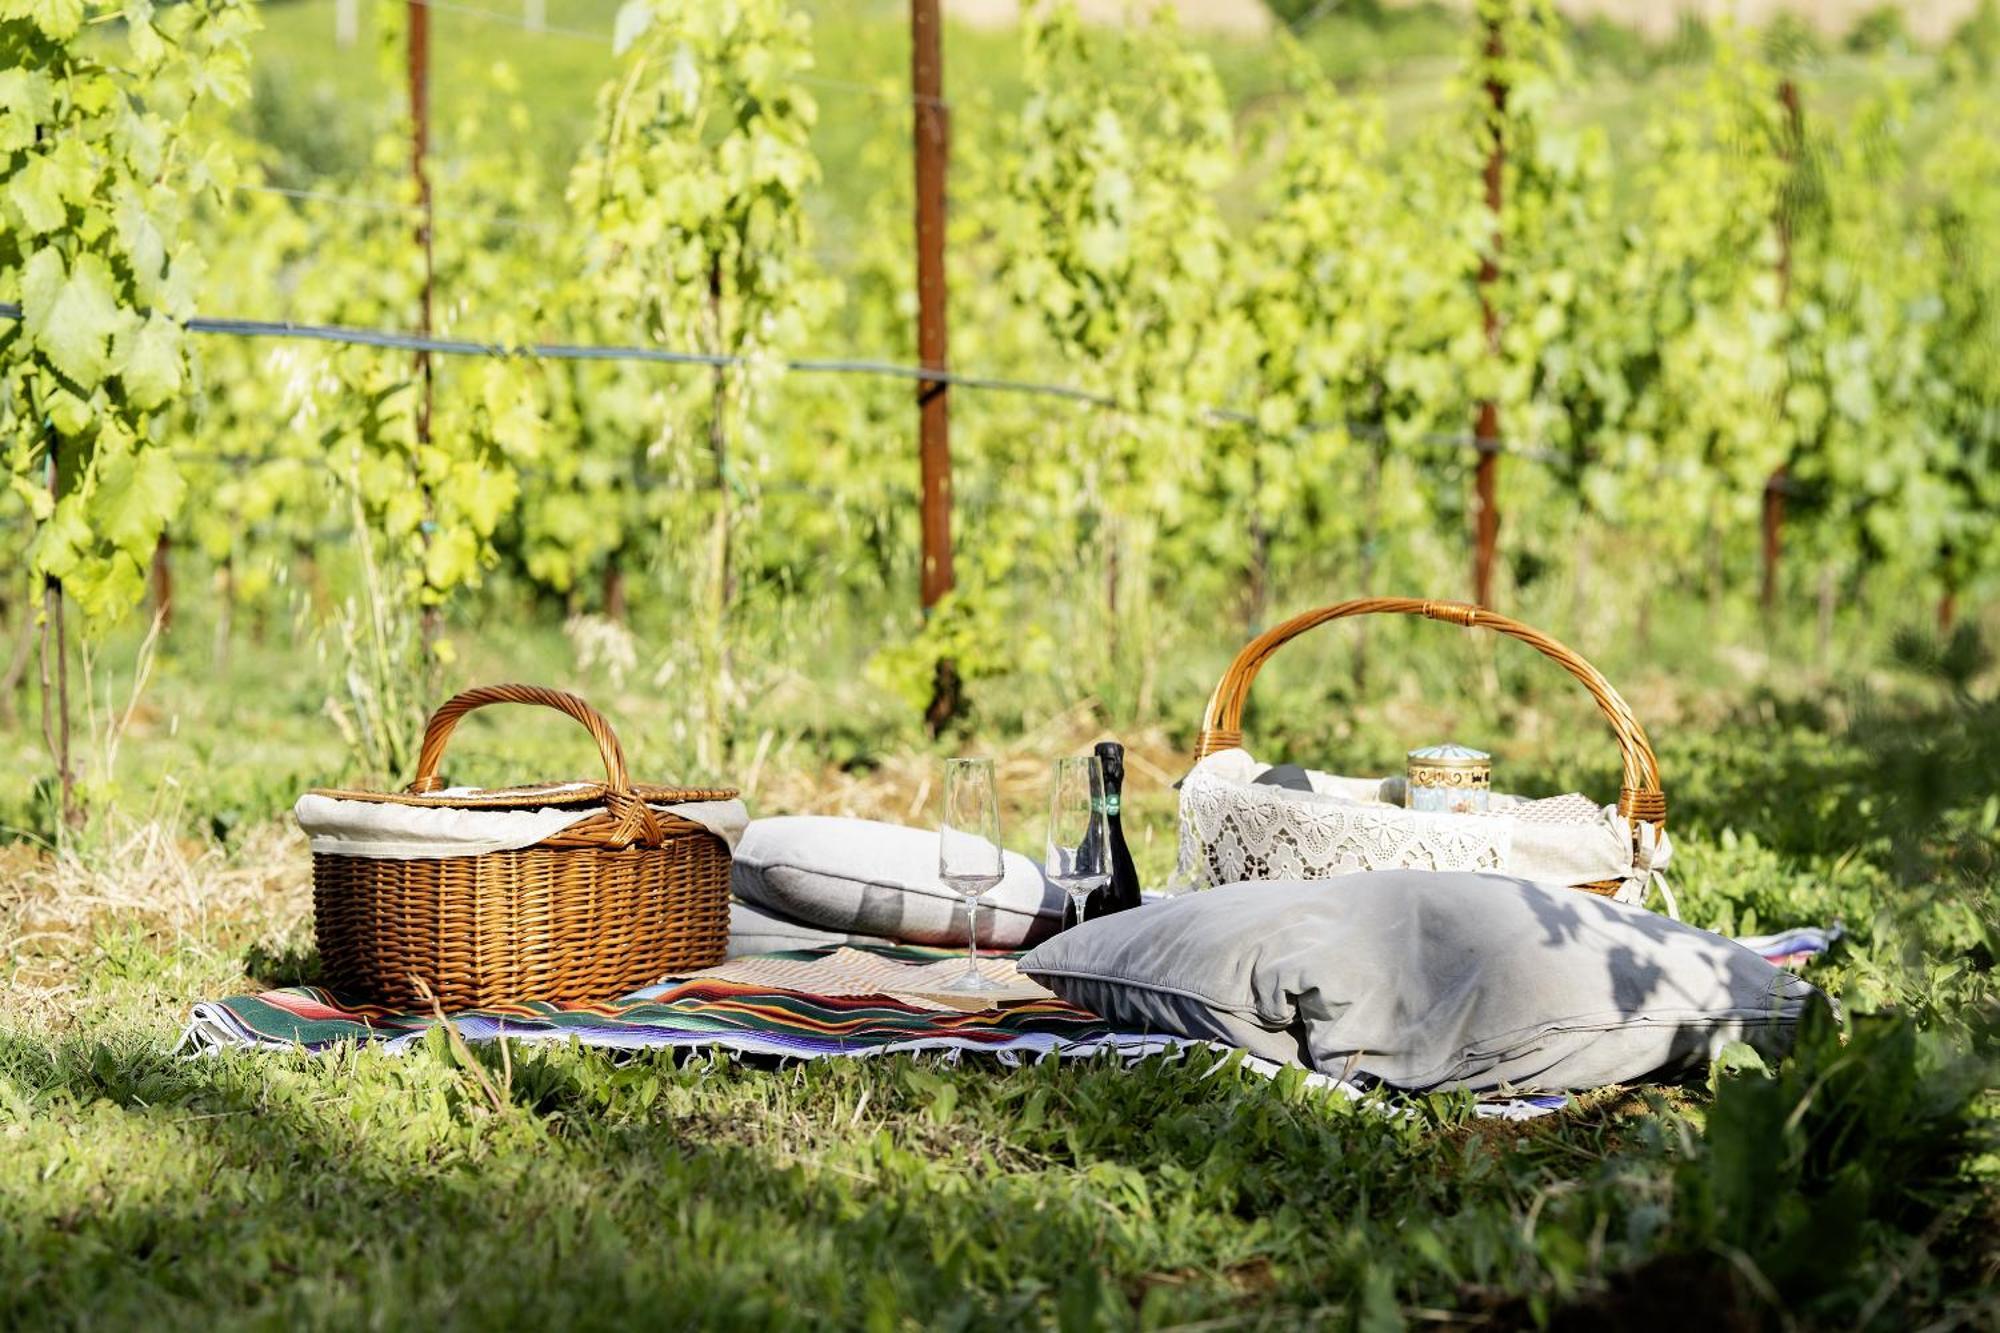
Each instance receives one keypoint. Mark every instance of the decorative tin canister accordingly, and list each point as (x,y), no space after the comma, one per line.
(1449,779)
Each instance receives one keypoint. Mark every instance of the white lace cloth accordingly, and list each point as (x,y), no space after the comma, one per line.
(1234,829)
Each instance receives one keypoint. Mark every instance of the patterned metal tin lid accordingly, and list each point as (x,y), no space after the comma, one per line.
(1451,755)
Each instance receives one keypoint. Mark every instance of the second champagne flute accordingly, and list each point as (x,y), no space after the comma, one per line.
(969,854)
(1079,846)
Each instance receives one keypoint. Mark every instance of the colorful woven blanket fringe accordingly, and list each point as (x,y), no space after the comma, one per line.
(1792,948)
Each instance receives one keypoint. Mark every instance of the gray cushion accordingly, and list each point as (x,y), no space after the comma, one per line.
(753,931)
(859,876)
(1429,981)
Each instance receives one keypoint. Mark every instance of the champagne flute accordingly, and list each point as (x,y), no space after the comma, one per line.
(969,854)
(1079,846)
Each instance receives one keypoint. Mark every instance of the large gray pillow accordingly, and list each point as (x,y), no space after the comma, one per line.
(1424,980)
(858,876)
(752,931)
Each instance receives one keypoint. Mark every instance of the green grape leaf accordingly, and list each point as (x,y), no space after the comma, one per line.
(150,362)
(135,497)
(61,539)
(451,558)
(482,494)
(36,191)
(26,99)
(145,248)
(148,48)
(634,17)
(40,503)
(69,414)
(58,19)
(105,587)
(72,317)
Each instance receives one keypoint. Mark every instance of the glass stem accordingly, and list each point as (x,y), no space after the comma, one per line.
(1076,901)
(971,937)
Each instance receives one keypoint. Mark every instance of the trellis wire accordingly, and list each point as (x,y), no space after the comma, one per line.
(347,335)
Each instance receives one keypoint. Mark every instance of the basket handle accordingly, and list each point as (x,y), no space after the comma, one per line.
(1640,799)
(635,820)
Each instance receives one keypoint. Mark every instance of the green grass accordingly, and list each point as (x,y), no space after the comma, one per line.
(321,1193)
(1811,780)
(569,1187)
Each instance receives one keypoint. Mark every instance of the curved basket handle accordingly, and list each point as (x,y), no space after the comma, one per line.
(1641,797)
(635,821)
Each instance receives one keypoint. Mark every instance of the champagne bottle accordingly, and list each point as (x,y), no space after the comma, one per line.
(1123,890)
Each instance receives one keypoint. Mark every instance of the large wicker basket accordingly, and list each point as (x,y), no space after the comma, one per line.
(1640,800)
(608,904)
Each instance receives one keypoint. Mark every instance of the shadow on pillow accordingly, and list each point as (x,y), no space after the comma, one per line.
(1424,981)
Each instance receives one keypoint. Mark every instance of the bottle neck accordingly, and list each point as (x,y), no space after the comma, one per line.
(1107,805)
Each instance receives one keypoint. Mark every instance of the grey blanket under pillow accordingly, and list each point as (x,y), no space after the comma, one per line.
(861,877)
(1425,980)
(753,931)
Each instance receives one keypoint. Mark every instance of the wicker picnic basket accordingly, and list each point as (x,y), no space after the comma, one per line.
(627,895)
(1641,812)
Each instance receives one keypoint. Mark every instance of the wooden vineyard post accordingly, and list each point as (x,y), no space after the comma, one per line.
(418,55)
(614,589)
(160,580)
(722,591)
(1486,433)
(932,152)
(718,444)
(1774,538)
(225,612)
(1776,484)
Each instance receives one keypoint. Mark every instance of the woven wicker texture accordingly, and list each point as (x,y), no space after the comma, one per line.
(1640,799)
(606,906)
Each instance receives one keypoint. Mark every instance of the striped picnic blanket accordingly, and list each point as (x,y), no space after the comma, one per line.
(749,1016)
(769,1006)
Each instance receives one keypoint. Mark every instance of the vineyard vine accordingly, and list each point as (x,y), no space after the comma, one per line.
(1281,302)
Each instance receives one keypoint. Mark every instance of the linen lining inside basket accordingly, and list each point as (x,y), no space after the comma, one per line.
(1233,828)
(402,832)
